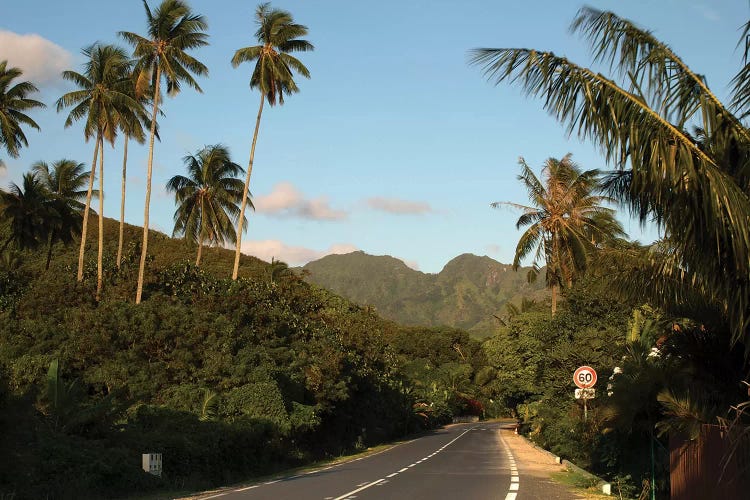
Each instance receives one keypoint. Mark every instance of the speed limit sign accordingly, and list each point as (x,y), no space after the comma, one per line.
(585,377)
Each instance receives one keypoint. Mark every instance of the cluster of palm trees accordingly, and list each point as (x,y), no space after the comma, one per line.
(114,92)
(567,221)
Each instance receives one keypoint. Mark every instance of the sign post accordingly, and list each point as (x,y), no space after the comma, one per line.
(585,378)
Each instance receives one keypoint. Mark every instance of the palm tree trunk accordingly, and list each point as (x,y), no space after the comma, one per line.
(99,266)
(86,210)
(555,287)
(200,250)
(247,189)
(144,246)
(122,202)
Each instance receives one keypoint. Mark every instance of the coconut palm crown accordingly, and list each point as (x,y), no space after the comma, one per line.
(566,221)
(207,198)
(14,102)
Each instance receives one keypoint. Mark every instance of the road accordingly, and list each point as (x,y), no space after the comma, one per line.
(463,461)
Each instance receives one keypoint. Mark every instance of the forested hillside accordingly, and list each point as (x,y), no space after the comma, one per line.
(465,294)
(228,379)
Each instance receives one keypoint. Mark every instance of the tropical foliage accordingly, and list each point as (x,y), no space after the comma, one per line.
(172,30)
(207,198)
(14,103)
(566,220)
(278,35)
(681,155)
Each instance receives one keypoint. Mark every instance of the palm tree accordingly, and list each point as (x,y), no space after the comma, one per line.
(132,127)
(565,221)
(13,105)
(103,100)
(172,30)
(695,186)
(207,198)
(26,211)
(65,180)
(273,76)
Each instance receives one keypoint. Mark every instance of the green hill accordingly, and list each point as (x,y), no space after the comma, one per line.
(228,379)
(465,294)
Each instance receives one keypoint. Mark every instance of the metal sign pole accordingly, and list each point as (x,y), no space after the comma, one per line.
(585,409)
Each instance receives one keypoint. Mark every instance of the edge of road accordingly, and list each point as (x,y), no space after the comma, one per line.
(602,485)
(289,473)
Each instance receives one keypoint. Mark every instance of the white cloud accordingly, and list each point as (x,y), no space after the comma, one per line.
(285,200)
(292,255)
(411,263)
(399,207)
(41,60)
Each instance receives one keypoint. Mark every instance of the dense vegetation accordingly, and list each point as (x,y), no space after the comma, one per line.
(227,379)
(465,294)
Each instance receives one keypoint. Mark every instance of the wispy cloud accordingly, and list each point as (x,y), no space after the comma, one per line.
(41,60)
(398,207)
(292,255)
(285,200)
(411,263)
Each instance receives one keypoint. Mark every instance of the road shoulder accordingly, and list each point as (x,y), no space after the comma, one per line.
(540,475)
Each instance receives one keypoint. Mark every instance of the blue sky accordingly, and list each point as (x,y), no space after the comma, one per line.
(395,146)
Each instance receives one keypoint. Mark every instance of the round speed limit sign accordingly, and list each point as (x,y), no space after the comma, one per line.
(585,377)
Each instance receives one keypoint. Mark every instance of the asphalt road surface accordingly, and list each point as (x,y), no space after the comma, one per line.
(465,461)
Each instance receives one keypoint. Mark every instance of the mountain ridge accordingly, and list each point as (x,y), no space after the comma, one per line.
(465,294)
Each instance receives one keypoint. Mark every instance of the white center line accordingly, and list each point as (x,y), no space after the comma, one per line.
(364,486)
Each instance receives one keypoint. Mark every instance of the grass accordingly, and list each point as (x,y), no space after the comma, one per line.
(582,482)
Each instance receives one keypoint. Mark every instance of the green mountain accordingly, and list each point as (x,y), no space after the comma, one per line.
(465,294)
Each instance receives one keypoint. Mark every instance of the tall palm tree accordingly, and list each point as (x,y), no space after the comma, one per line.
(66,182)
(278,35)
(172,30)
(103,100)
(207,198)
(565,220)
(132,127)
(13,105)
(695,186)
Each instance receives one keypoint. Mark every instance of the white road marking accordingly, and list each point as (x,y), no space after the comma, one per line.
(391,475)
(346,495)
(248,488)
(514,479)
(214,496)
(364,486)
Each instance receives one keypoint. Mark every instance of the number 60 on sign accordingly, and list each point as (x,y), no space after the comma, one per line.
(585,377)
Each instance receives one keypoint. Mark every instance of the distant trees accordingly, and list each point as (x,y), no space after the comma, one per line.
(14,102)
(278,35)
(207,198)
(172,30)
(65,180)
(46,209)
(566,220)
(681,155)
